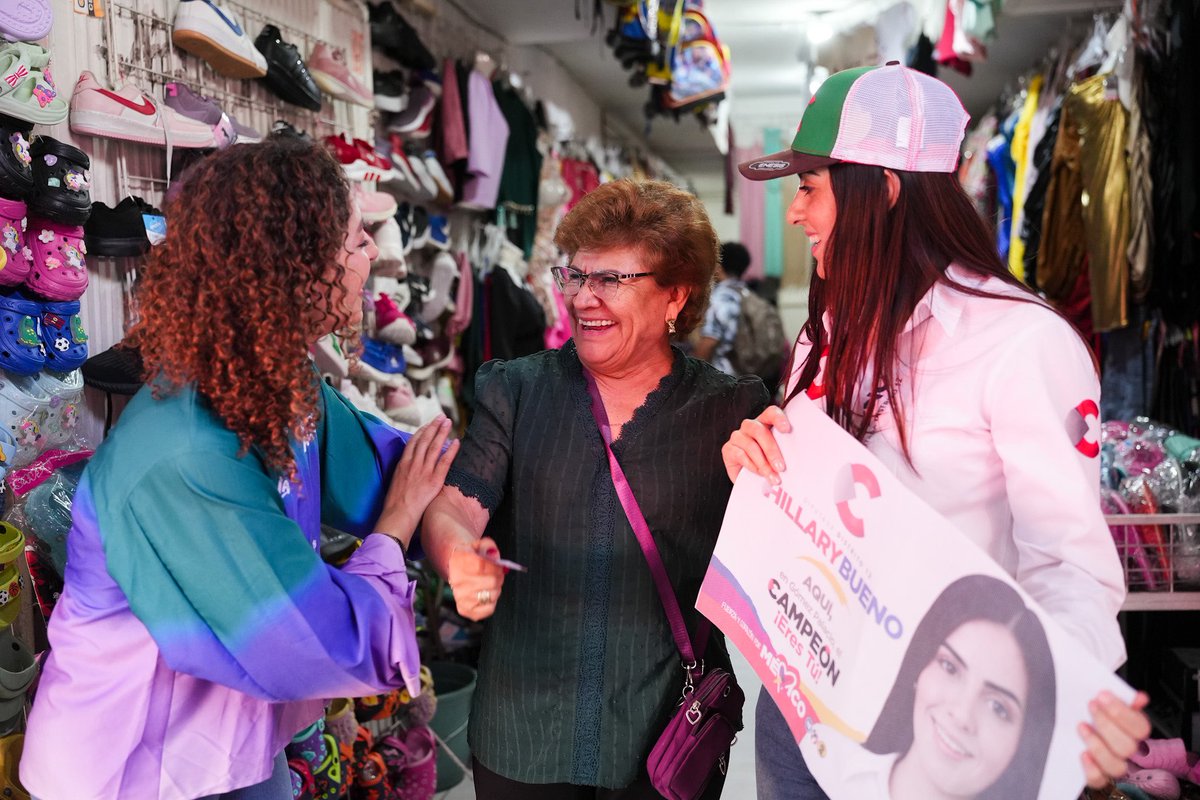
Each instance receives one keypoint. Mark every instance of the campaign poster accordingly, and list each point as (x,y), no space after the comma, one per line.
(901,655)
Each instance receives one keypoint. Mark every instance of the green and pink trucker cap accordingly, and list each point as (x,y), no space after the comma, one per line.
(889,116)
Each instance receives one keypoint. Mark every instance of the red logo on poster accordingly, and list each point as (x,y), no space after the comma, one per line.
(851,477)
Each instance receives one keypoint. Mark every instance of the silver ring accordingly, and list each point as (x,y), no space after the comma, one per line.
(484,597)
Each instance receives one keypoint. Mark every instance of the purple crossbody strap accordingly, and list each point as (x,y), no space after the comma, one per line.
(641,530)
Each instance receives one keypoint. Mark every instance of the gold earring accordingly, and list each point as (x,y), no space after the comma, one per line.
(671,327)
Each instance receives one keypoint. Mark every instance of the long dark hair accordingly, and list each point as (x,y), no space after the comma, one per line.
(971,598)
(880,260)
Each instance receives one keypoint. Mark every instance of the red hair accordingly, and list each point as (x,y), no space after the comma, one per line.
(233,299)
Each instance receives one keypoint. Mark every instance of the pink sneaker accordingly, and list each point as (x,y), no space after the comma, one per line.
(58,270)
(128,113)
(375,206)
(391,324)
(329,69)
(14,253)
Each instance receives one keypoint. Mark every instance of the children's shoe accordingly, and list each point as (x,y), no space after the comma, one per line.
(63,336)
(48,511)
(419,109)
(213,33)
(124,230)
(1156,783)
(384,357)
(17,665)
(340,722)
(392,34)
(245,133)
(330,71)
(66,394)
(184,101)
(25,21)
(375,206)
(20,346)
(287,75)
(303,785)
(355,166)
(411,760)
(391,90)
(391,324)
(59,271)
(128,113)
(62,182)
(27,91)
(15,255)
(390,260)
(16,161)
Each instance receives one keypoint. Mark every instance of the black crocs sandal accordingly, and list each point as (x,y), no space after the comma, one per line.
(61,182)
(16,172)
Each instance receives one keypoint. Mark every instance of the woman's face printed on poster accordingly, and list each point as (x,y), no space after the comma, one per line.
(969,708)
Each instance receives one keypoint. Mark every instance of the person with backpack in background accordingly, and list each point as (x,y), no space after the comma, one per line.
(742,332)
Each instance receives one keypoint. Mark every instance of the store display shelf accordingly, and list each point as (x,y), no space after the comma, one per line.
(1160,554)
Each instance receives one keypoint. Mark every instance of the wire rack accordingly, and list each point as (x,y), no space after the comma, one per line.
(137,46)
(1161,557)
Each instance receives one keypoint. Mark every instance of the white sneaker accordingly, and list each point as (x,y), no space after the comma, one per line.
(213,33)
(128,113)
(391,249)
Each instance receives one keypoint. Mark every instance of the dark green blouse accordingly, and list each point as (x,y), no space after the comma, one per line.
(578,672)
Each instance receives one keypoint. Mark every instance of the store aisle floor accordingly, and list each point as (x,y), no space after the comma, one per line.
(740,783)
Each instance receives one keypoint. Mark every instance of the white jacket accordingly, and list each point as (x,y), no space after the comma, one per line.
(1001,405)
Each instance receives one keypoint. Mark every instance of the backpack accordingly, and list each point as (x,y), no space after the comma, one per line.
(759,343)
(699,66)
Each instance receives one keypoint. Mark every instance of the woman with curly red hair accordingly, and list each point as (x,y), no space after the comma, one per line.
(199,629)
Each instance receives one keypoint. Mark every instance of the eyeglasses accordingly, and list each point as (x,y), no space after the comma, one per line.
(603,282)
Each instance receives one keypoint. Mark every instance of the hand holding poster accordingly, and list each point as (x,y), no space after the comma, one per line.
(905,660)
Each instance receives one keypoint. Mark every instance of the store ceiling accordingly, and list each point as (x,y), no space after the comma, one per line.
(765,38)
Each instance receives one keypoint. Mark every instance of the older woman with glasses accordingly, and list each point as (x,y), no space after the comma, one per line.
(579,671)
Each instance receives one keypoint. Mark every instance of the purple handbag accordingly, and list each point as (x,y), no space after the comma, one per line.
(695,744)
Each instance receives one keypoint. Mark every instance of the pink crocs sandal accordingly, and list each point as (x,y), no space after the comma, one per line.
(1168,754)
(59,271)
(14,254)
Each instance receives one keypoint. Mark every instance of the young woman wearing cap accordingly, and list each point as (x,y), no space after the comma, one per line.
(922,345)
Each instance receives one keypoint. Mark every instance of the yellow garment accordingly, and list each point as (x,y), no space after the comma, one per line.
(1021,155)
(1102,124)
(1061,254)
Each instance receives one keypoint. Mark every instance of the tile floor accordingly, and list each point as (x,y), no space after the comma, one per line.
(739,785)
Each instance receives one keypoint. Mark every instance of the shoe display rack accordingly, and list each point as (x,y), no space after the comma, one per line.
(1161,557)
(137,45)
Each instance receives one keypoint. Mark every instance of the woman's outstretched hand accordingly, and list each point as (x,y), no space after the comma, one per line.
(417,479)
(1113,736)
(752,446)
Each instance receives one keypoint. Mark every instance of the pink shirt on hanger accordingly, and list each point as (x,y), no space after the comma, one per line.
(454,127)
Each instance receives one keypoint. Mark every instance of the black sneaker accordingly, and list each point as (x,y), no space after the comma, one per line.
(392,34)
(287,76)
(61,182)
(16,172)
(283,128)
(118,370)
(120,231)
(390,90)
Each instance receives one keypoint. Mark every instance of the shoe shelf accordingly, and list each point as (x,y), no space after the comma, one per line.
(1160,554)
(137,45)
